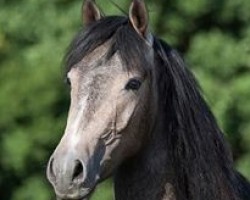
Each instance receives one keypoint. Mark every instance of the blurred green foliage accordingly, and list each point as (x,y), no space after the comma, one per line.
(213,36)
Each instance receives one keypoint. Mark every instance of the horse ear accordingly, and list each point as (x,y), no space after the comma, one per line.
(138,16)
(90,12)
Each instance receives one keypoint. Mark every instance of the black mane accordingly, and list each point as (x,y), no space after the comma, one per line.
(199,154)
(201,157)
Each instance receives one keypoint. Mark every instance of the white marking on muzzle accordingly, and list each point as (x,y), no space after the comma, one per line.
(75,129)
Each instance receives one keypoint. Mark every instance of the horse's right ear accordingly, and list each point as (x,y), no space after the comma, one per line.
(90,12)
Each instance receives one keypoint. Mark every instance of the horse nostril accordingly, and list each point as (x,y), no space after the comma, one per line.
(50,171)
(78,172)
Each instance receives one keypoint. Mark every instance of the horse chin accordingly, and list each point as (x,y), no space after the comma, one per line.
(85,195)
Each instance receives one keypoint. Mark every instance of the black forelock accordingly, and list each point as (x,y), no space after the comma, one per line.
(123,39)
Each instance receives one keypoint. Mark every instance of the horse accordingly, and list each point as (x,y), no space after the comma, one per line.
(137,115)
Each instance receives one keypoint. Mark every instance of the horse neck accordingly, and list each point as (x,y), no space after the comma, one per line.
(152,175)
(148,175)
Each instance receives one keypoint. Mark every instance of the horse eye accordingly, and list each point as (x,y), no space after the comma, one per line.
(133,84)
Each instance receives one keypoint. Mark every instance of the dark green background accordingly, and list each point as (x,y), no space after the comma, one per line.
(212,35)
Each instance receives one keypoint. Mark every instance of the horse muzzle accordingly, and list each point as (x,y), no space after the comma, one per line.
(68,176)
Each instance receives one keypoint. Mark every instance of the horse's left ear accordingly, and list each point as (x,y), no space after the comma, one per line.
(138,16)
(90,12)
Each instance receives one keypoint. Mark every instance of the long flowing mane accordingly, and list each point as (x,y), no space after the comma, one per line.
(200,157)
